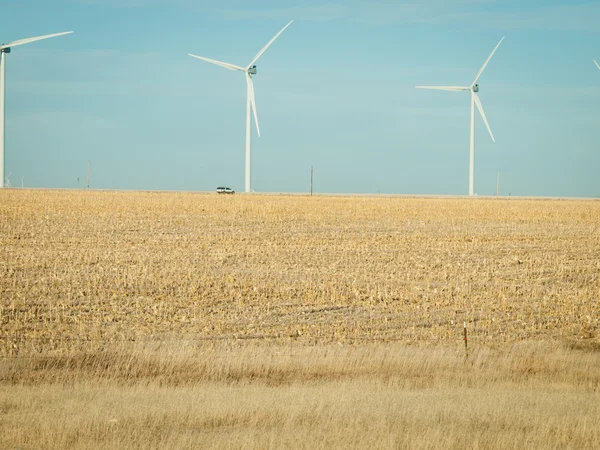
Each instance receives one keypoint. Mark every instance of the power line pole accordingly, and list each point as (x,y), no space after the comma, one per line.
(497,184)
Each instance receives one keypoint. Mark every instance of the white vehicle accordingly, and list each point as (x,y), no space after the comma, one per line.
(225,190)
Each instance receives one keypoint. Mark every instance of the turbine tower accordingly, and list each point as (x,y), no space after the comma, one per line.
(473,89)
(5,50)
(249,70)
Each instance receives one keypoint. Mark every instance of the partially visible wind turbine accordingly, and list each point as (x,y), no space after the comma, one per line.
(597,65)
(250,99)
(4,50)
(474,89)
(8,180)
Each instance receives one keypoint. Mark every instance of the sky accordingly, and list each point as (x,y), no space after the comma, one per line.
(335,92)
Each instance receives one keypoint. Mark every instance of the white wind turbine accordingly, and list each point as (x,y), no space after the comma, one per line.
(474,89)
(250,99)
(4,50)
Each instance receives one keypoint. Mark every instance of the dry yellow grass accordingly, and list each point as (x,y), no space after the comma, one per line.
(251,395)
(170,320)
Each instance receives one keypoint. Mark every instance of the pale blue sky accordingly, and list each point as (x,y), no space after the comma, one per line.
(336,91)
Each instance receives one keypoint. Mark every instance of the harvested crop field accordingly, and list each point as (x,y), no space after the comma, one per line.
(85,268)
(331,303)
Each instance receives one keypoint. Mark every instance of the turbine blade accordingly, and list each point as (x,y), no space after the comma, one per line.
(259,54)
(219,63)
(597,65)
(252,100)
(33,39)
(480,108)
(486,62)
(445,88)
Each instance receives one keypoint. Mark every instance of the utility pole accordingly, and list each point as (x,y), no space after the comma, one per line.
(89,173)
(311,180)
(497,184)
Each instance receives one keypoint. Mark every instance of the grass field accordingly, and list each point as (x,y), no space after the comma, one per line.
(172,320)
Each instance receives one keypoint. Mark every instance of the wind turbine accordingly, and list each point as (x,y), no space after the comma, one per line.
(597,65)
(4,50)
(474,89)
(249,70)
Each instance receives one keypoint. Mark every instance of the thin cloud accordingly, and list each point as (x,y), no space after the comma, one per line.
(572,16)
(471,13)
(372,12)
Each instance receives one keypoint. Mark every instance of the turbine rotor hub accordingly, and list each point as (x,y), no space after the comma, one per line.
(475,88)
(252,70)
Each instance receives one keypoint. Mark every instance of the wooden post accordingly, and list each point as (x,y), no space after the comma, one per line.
(465,338)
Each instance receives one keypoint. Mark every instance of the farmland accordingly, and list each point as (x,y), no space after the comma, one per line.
(315,300)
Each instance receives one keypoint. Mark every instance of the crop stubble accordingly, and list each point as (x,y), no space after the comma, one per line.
(84,269)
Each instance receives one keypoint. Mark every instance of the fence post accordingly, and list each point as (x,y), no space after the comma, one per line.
(465,338)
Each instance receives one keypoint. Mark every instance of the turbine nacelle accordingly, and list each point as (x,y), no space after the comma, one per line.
(5,50)
(475,88)
(252,70)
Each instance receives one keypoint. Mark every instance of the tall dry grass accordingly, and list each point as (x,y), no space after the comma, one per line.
(252,395)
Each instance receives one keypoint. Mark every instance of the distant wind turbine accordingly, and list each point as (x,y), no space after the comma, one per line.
(4,50)
(597,65)
(474,89)
(249,70)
